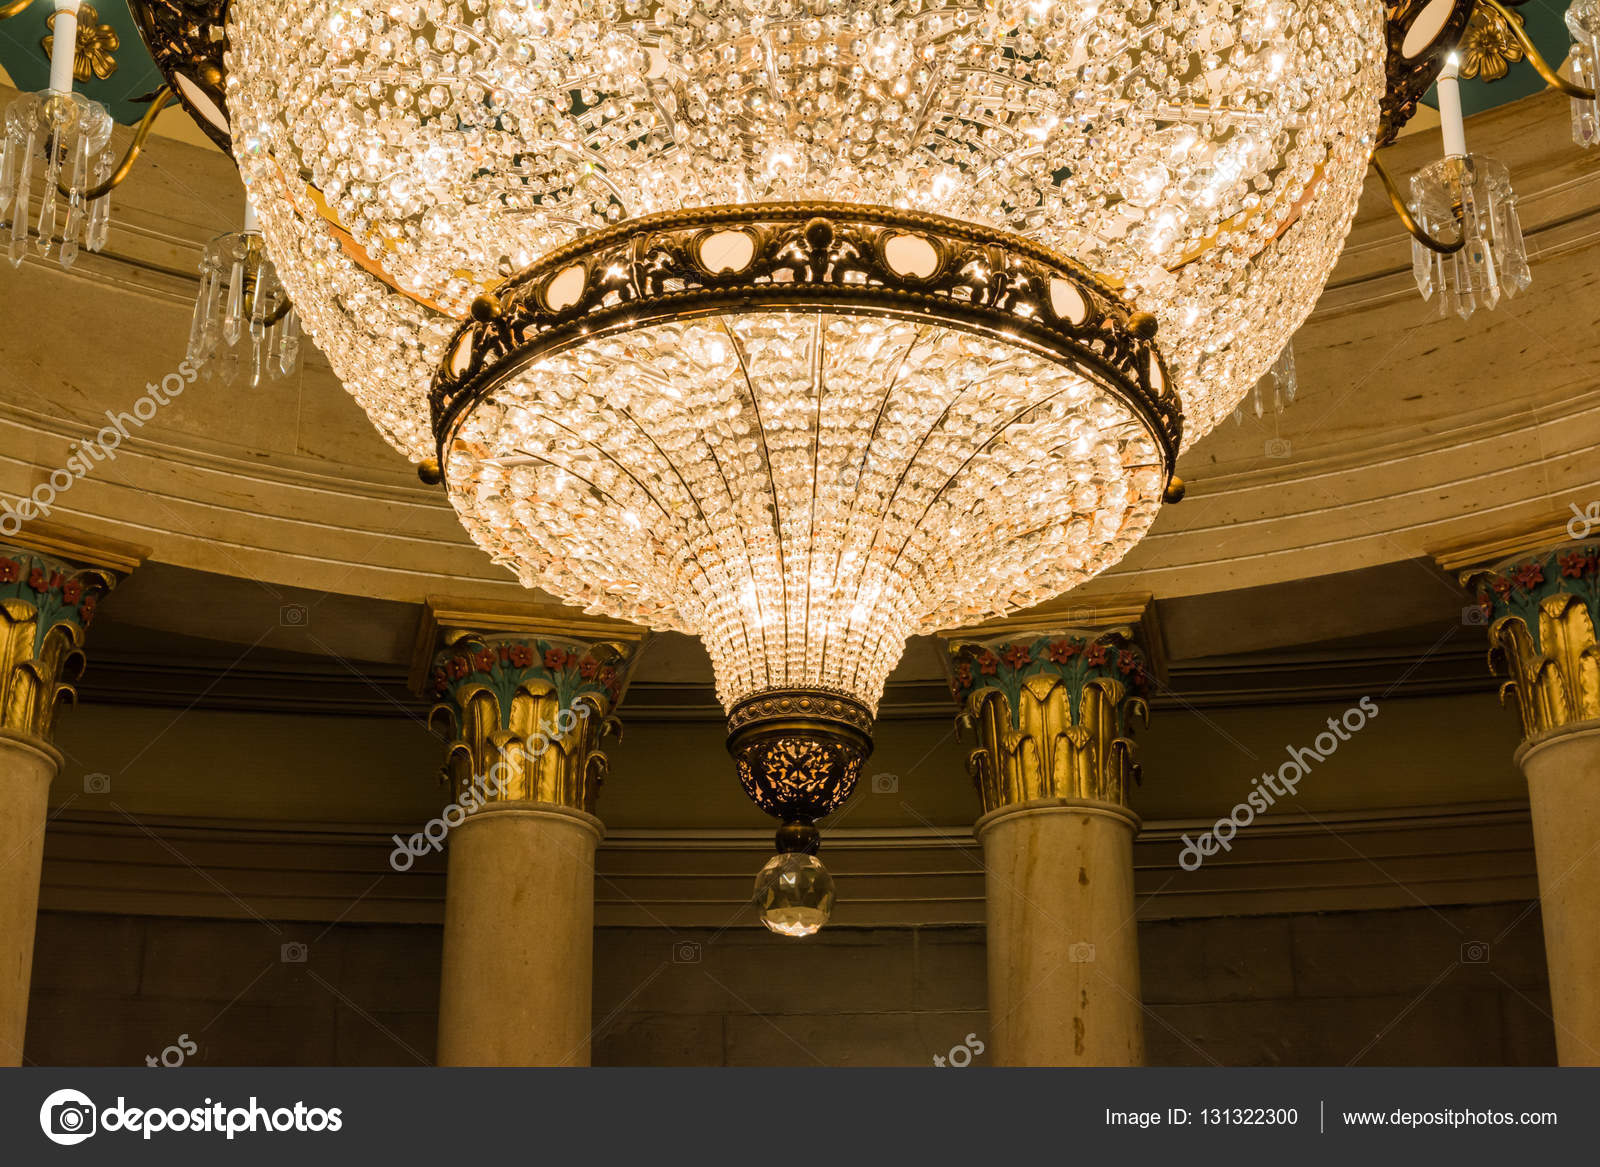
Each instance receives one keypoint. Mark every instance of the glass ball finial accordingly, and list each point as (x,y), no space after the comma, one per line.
(794,893)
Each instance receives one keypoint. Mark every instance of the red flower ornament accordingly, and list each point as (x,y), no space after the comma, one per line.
(1062,651)
(10,571)
(1017,656)
(1577,564)
(1528,576)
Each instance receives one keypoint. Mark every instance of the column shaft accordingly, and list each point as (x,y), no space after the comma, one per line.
(1053,763)
(1543,610)
(26,770)
(525,715)
(1063,946)
(519,938)
(1563,773)
(46,606)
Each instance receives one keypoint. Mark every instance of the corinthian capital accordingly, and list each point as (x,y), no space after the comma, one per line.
(49,592)
(1541,611)
(1053,710)
(525,703)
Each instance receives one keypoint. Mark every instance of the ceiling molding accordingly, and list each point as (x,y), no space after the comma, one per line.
(335,688)
(279,872)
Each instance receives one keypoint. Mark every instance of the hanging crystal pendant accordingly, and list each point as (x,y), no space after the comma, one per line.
(1471,195)
(1279,386)
(1583,22)
(244,327)
(65,135)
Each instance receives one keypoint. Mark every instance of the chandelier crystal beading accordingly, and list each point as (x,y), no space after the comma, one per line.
(62,138)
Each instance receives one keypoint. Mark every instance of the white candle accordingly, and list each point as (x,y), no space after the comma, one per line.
(1450,121)
(65,45)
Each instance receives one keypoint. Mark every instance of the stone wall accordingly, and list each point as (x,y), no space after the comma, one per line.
(1423,986)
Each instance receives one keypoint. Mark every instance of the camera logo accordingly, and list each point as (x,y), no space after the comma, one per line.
(1277,448)
(1475,952)
(293,952)
(885,783)
(67,1117)
(97,783)
(293,616)
(686,952)
(1081,953)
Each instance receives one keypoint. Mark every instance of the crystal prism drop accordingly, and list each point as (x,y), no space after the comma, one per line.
(1471,196)
(289,345)
(19,211)
(1583,23)
(100,208)
(233,317)
(10,156)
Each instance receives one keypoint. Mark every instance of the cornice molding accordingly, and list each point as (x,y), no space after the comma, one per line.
(444,614)
(1508,543)
(79,547)
(1133,613)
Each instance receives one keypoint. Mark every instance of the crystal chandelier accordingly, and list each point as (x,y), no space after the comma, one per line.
(244,327)
(1471,196)
(1583,22)
(804,326)
(63,137)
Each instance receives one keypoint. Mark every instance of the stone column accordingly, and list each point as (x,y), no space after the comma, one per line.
(526,714)
(1542,610)
(46,605)
(1054,759)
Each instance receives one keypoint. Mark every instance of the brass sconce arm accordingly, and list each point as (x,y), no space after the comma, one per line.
(1535,58)
(14,8)
(1409,221)
(125,167)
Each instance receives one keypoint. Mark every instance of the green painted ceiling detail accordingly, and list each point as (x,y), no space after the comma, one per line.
(1545,21)
(136,75)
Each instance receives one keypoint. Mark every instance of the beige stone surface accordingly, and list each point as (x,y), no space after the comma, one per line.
(26,770)
(1563,770)
(515,986)
(1063,945)
(109,990)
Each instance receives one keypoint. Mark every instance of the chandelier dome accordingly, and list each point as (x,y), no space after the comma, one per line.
(804,325)
(407,156)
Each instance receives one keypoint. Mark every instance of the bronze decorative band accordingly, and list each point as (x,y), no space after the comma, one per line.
(825,257)
(784,704)
(799,752)
(1419,34)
